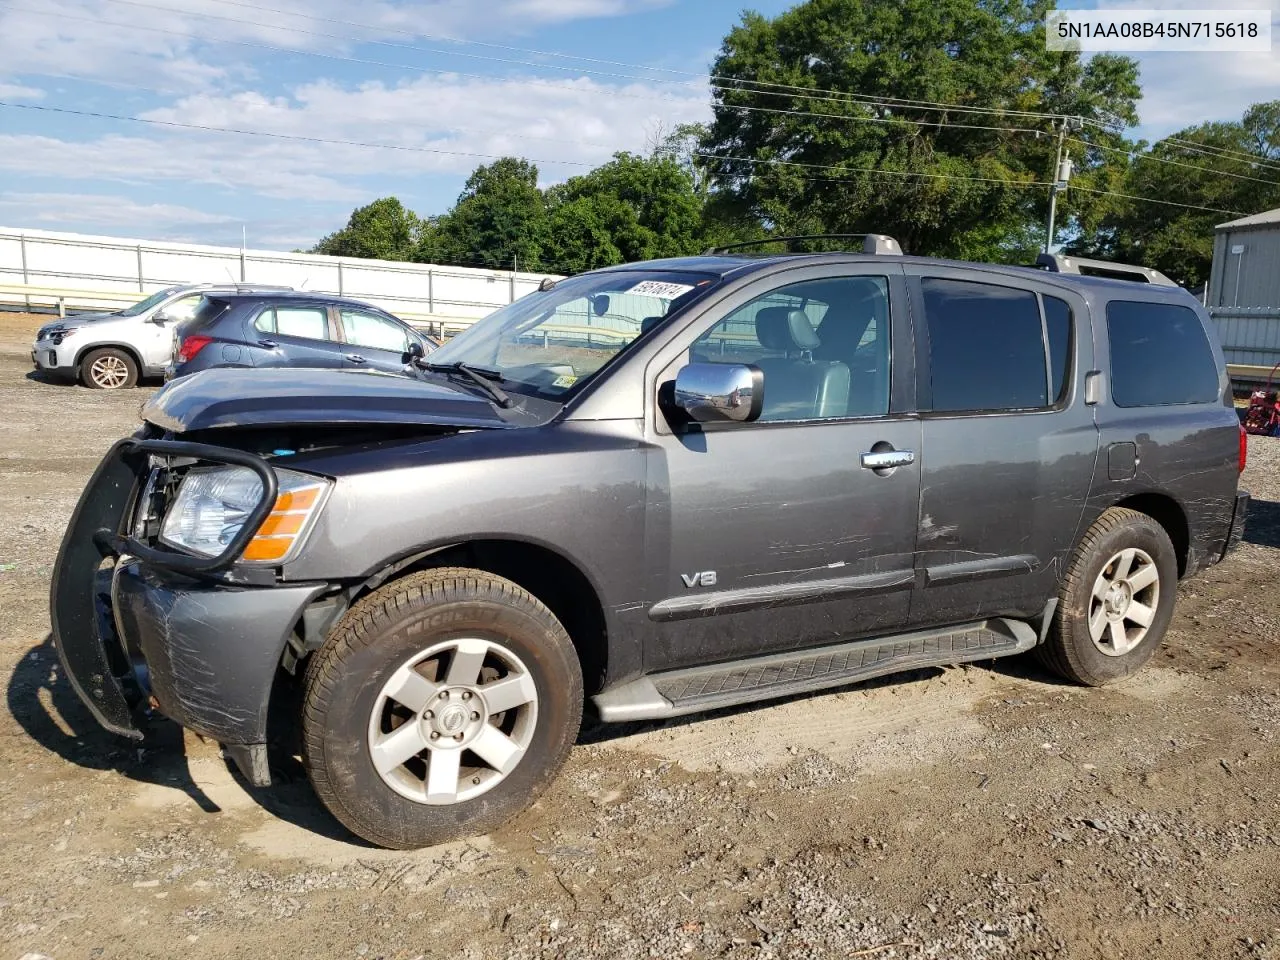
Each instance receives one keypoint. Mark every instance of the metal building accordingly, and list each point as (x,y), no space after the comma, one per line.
(1244,293)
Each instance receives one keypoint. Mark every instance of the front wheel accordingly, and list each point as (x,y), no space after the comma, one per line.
(108,369)
(440,706)
(1116,599)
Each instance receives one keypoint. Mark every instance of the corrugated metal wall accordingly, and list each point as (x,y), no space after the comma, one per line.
(1244,293)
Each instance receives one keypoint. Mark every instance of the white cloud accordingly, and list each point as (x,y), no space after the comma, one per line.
(16,91)
(164,44)
(152,219)
(1184,89)
(578,122)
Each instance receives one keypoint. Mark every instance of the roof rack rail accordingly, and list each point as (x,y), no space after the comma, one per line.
(871,242)
(1083,266)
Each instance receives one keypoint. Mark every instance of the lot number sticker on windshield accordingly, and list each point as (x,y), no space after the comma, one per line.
(565,380)
(660,288)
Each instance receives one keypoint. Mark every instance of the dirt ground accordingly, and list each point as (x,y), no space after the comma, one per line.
(974,812)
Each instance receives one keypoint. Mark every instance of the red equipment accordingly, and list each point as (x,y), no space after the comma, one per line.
(1262,419)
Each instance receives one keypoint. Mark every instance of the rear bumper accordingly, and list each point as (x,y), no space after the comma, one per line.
(206,649)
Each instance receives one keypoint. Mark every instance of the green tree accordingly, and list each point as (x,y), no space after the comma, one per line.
(499,220)
(632,208)
(1217,165)
(382,230)
(865,167)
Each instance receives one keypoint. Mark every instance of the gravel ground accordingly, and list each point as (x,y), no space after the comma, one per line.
(974,812)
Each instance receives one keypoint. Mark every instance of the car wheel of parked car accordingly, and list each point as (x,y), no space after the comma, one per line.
(1116,599)
(108,369)
(440,706)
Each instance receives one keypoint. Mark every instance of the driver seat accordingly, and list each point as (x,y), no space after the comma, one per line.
(797,387)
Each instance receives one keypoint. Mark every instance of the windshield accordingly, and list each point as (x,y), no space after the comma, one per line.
(551,342)
(151,301)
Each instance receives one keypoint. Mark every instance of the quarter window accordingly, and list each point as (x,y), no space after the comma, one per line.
(1159,355)
(1057,328)
(823,346)
(986,346)
(311,323)
(370,330)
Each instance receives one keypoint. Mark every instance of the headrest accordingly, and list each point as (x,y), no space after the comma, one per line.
(781,328)
(648,323)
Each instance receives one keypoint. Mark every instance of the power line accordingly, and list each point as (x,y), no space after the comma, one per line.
(537,81)
(45,108)
(207,128)
(1138,155)
(876,170)
(802,92)
(1168,203)
(837,97)
(1205,149)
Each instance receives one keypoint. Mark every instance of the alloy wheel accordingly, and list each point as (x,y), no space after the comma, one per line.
(453,721)
(109,373)
(1123,603)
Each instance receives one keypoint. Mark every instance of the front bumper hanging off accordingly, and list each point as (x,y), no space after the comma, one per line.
(157,622)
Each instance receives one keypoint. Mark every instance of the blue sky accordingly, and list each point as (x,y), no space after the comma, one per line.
(384,75)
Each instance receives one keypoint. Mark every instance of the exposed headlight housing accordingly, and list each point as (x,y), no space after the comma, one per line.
(212,505)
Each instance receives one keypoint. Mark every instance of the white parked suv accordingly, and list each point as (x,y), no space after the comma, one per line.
(109,351)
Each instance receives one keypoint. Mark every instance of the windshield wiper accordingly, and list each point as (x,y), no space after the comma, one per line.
(480,376)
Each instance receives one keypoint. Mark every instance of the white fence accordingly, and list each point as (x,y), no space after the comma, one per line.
(78,272)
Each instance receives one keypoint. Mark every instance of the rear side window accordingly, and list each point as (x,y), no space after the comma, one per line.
(1057,328)
(1159,355)
(986,346)
(309,322)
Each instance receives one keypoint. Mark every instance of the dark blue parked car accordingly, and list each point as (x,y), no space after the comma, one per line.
(292,329)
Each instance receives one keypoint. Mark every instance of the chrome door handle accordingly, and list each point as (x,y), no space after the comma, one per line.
(356,358)
(888,459)
(269,344)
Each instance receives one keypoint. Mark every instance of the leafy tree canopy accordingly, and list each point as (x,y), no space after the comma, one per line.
(1218,165)
(382,230)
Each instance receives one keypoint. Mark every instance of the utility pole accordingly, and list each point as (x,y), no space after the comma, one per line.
(1061,175)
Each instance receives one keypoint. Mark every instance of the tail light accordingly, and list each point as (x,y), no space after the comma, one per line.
(191,346)
(1244,448)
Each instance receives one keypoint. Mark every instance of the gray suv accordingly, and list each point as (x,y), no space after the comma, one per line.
(111,351)
(654,490)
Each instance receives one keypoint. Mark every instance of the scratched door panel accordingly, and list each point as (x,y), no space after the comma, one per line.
(1002,490)
(772,536)
(785,516)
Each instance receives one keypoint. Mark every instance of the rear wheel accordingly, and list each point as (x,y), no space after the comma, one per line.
(108,369)
(441,706)
(1116,599)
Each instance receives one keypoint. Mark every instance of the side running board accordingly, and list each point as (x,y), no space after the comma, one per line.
(679,692)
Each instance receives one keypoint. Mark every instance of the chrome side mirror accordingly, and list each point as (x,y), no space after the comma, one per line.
(718,392)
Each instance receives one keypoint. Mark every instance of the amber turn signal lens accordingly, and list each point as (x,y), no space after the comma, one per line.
(278,533)
(296,500)
(267,548)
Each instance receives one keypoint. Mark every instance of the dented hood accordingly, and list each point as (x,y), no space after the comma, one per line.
(242,397)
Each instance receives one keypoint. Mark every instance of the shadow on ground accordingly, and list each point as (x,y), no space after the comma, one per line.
(44,704)
(1262,524)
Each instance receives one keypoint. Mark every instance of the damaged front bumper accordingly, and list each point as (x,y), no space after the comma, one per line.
(207,650)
